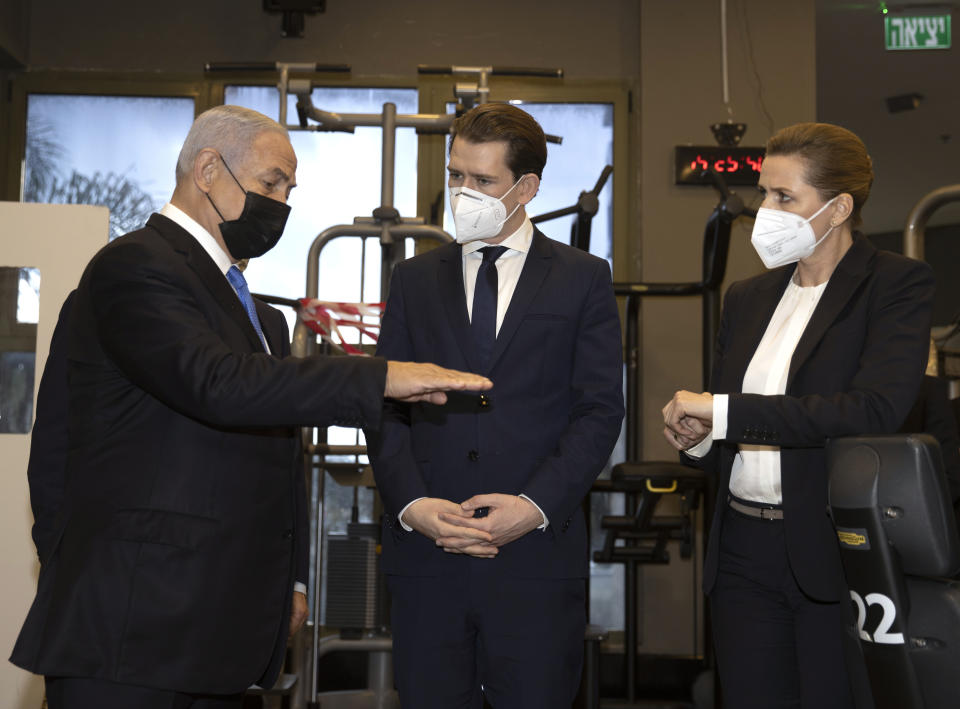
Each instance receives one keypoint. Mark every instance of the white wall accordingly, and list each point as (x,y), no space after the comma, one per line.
(59,240)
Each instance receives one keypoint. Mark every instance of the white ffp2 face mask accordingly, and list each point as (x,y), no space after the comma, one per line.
(784,237)
(477,215)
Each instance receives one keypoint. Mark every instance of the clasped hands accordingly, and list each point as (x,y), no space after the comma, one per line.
(687,418)
(454,528)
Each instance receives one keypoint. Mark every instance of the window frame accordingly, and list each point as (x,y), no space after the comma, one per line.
(434,92)
(71,83)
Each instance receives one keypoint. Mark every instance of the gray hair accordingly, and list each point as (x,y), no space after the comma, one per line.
(230,130)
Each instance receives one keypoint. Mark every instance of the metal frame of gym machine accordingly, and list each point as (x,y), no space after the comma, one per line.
(391,229)
(914,237)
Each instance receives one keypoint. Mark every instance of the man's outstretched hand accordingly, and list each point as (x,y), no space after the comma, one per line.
(415,381)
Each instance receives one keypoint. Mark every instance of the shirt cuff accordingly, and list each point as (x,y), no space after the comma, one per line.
(721,402)
(546,522)
(702,448)
(299,587)
(403,524)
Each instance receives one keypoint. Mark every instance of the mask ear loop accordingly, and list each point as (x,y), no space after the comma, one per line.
(210,199)
(519,180)
(815,215)
(244,191)
(507,218)
(817,242)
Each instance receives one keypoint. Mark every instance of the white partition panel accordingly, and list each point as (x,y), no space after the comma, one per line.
(59,241)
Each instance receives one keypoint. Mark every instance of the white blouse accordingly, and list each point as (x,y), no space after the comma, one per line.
(756,469)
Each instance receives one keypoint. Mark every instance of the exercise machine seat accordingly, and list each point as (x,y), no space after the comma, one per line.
(890,503)
(648,482)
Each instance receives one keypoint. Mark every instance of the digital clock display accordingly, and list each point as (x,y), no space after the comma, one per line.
(737,166)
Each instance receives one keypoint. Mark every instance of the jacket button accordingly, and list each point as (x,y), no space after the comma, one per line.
(473,455)
(484,401)
(288,534)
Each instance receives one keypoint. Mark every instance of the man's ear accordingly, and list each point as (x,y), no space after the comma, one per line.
(206,167)
(528,188)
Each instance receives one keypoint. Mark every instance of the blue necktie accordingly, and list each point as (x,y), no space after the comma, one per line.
(239,284)
(483,322)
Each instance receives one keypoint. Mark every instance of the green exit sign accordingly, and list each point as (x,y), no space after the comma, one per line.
(918,31)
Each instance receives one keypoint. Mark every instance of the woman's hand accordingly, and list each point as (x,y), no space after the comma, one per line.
(688,418)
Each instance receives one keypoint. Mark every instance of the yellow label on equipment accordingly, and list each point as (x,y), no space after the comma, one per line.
(852,539)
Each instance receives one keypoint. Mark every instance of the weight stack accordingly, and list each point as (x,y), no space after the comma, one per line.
(352,579)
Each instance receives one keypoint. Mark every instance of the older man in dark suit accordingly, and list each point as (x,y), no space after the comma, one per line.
(169,569)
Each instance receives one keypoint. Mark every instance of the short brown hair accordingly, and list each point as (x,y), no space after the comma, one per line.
(488,122)
(836,160)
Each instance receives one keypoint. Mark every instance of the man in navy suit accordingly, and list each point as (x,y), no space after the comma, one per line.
(484,541)
(165,471)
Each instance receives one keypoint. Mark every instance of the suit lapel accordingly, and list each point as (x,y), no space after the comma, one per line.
(844,282)
(454,300)
(535,269)
(210,275)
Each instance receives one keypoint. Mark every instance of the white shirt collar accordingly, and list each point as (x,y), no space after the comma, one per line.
(203,237)
(519,240)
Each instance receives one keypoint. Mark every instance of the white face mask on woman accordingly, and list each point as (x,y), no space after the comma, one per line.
(784,237)
(477,215)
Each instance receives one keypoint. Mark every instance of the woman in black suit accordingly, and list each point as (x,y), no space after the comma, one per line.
(831,341)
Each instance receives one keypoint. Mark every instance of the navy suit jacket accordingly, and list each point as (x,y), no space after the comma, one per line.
(856,370)
(181,525)
(547,427)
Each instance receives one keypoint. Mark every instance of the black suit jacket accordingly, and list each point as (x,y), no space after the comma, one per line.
(856,370)
(46,469)
(546,428)
(183,513)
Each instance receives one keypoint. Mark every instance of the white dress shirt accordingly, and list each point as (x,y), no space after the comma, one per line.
(509,266)
(756,469)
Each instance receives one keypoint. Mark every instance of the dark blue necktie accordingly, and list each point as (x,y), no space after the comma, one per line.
(239,284)
(483,322)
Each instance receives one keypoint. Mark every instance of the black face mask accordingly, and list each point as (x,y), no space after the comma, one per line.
(259,226)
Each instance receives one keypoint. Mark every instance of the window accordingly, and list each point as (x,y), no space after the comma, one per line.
(338,178)
(116,151)
(19,308)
